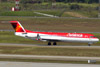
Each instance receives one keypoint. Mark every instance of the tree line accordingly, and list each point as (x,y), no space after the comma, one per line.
(65,1)
(79,1)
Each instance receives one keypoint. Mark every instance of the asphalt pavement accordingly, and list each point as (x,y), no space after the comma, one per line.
(31,64)
(44,45)
(42,57)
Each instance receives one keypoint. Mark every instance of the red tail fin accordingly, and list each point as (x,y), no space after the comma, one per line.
(17,26)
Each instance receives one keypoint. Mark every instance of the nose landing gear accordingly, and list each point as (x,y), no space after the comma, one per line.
(89,44)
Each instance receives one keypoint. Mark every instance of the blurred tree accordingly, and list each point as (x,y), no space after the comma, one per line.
(87,1)
(31,1)
(66,1)
(24,1)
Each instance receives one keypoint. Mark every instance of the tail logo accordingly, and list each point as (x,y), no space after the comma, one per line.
(17,26)
(19,29)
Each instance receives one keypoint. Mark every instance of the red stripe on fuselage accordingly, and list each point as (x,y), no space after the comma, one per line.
(72,35)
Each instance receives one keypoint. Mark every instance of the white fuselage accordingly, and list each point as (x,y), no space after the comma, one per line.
(45,37)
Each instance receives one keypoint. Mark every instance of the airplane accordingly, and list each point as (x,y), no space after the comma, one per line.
(53,36)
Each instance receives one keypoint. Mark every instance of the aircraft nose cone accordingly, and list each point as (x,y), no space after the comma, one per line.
(97,39)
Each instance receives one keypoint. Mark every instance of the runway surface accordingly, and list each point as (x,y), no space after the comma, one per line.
(60,46)
(42,57)
(31,64)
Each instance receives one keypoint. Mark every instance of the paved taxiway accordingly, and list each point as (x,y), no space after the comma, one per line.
(12,44)
(42,57)
(31,64)
(61,46)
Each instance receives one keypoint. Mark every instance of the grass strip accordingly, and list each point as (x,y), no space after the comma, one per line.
(54,24)
(50,51)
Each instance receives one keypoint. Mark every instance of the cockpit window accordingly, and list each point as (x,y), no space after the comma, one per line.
(91,36)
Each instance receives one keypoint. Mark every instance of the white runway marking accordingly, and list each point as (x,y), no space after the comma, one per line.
(45,14)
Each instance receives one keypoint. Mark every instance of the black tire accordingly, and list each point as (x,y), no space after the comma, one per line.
(54,43)
(89,44)
(49,43)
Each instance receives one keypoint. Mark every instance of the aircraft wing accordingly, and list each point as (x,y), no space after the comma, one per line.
(51,38)
(46,38)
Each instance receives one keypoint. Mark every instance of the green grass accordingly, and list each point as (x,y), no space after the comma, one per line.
(27,9)
(81,4)
(31,13)
(55,24)
(20,13)
(87,14)
(6,7)
(87,5)
(51,12)
(90,14)
(50,51)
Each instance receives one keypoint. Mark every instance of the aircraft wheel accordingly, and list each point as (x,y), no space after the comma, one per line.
(89,44)
(54,43)
(49,43)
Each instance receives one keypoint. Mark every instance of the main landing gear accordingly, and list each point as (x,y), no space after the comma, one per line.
(49,43)
(54,43)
